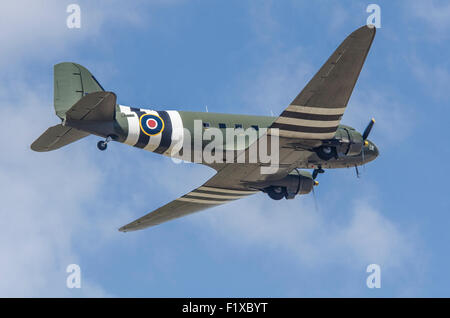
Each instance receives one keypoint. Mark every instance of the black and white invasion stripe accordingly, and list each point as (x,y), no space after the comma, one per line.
(308,122)
(171,137)
(213,195)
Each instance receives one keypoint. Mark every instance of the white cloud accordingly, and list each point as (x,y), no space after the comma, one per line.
(338,17)
(262,22)
(42,202)
(432,19)
(54,205)
(275,84)
(433,79)
(395,119)
(45,195)
(372,238)
(37,29)
(435,15)
(365,236)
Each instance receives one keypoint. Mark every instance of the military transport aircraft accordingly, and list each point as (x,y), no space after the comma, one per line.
(308,130)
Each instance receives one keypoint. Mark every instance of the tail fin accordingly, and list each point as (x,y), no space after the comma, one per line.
(72,82)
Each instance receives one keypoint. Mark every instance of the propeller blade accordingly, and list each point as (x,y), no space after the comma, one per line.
(314,174)
(357,172)
(363,161)
(317,171)
(368,129)
(362,154)
(315,200)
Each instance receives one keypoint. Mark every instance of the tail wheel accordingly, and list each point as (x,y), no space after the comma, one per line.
(276,193)
(102,145)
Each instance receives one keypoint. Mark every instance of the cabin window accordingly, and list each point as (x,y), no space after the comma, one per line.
(222,125)
(238,126)
(255,127)
(205,125)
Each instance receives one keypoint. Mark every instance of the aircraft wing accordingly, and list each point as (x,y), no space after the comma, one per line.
(316,112)
(210,194)
(314,115)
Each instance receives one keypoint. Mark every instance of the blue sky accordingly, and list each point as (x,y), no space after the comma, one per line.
(249,57)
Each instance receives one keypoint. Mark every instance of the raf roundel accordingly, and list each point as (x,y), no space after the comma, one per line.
(151,124)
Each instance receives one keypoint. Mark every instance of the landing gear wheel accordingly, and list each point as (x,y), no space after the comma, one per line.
(326,152)
(276,193)
(102,145)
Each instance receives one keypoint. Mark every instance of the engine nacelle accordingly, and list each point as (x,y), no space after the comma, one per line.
(297,182)
(347,142)
(350,142)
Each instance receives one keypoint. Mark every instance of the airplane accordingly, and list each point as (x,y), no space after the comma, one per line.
(308,133)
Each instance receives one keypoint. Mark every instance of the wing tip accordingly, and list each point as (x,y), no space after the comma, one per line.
(34,147)
(366,29)
(133,226)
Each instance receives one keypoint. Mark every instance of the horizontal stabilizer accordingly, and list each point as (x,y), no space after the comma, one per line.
(56,137)
(99,106)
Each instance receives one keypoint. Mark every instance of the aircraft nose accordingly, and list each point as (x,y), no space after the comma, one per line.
(370,151)
(375,151)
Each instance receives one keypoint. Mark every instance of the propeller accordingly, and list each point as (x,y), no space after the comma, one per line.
(357,170)
(317,171)
(365,134)
(316,183)
(314,196)
(368,129)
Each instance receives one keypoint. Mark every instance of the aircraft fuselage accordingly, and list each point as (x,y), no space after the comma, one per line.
(161,131)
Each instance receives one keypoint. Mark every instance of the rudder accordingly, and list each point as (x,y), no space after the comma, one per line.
(71,82)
